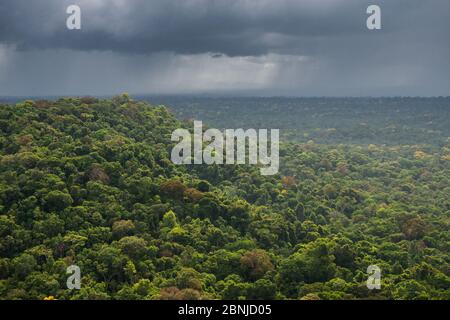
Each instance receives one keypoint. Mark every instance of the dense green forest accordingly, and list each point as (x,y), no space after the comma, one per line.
(90,182)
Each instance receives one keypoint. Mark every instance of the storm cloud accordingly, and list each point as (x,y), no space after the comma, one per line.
(264,47)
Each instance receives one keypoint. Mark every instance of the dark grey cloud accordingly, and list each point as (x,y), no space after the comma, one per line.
(295,47)
(232,27)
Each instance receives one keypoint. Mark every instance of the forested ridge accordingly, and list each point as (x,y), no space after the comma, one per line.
(90,182)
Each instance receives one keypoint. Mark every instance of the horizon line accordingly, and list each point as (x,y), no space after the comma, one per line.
(224,96)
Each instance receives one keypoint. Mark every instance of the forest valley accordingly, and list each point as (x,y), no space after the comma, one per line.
(233,146)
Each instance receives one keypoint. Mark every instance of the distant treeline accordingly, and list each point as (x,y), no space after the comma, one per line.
(390,121)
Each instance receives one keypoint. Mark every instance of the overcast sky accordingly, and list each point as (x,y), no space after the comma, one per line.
(258,47)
